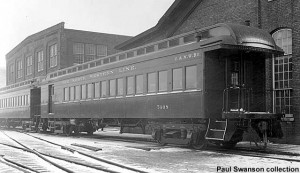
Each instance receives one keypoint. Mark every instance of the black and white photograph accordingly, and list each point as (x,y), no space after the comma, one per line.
(150,86)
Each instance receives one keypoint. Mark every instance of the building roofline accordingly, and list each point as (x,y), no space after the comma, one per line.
(99,33)
(167,18)
(34,37)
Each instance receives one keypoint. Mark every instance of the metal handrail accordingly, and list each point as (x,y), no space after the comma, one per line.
(243,98)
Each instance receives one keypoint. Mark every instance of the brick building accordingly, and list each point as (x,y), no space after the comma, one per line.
(279,17)
(56,48)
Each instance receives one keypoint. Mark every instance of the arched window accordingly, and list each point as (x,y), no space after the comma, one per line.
(283,71)
(283,39)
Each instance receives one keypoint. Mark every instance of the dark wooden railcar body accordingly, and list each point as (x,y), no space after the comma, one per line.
(180,104)
(208,84)
(210,55)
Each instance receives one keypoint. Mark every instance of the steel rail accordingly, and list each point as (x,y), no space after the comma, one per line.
(90,156)
(39,155)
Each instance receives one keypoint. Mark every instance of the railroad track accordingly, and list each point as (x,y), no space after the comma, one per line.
(269,154)
(39,155)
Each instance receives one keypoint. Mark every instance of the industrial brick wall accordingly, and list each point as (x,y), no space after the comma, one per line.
(29,47)
(69,37)
(210,12)
(296,68)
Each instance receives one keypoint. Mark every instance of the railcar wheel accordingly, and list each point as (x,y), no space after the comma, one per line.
(90,132)
(158,137)
(44,129)
(198,141)
(264,143)
(161,142)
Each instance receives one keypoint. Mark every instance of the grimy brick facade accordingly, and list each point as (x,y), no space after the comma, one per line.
(64,38)
(270,15)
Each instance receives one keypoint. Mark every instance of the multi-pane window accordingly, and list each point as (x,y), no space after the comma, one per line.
(29,65)
(53,55)
(40,58)
(87,52)
(139,85)
(11,72)
(177,79)
(151,82)
(19,69)
(283,72)
(101,51)
(191,77)
(130,85)
(78,51)
(162,81)
(90,52)
(120,87)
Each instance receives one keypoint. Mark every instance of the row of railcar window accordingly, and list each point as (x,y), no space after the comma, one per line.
(157,82)
(17,101)
(179,40)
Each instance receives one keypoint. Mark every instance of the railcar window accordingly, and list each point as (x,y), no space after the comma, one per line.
(174,42)
(130,85)
(21,101)
(151,82)
(85,66)
(90,90)
(77,92)
(92,64)
(79,68)
(120,86)
(26,100)
(97,90)
(189,38)
(72,93)
(113,59)
(163,45)
(140,51)
(139,84)
(191,77)
(150,49)
(177,79)
(106,60)
(112,88)
(98,63)
(130,54)
(83,91)
(162,81)
(121,57)
(103,89)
